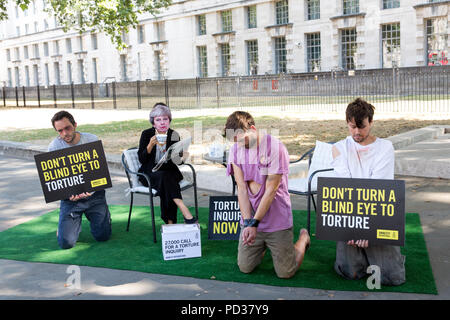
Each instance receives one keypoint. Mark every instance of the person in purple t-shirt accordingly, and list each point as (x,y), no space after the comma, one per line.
(259,163)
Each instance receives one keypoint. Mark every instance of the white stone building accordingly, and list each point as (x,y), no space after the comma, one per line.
(214,38)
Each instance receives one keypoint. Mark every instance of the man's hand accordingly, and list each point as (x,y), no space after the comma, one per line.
(359,243)
(83,195)
(249,235)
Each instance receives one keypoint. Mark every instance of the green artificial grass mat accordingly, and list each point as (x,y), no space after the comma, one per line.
(35,241)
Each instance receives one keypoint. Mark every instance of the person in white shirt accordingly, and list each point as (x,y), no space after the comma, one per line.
(362,155)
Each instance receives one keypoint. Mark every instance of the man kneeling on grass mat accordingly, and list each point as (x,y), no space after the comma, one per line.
(259,163)
(362,155)
(93,205)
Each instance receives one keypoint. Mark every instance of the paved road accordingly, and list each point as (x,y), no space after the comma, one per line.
(21,199)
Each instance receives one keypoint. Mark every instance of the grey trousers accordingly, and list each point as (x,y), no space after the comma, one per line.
(352,263)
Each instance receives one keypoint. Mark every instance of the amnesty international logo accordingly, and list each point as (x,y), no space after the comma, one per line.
(98,182)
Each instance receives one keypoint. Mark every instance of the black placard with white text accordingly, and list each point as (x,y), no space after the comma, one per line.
(72,171)
(224,218)
(366,209)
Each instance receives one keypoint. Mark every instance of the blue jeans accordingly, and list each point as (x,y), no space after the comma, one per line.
(70,214)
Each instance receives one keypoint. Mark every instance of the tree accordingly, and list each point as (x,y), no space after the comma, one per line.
(113,17)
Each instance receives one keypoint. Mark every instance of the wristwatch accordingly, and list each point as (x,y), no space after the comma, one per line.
(251,223)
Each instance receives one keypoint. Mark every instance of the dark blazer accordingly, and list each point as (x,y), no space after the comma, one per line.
(148,160)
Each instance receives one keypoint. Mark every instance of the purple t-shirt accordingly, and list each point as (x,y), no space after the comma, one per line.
(270,157)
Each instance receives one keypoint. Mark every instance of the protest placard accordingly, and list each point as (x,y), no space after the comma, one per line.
(72,171)
(224,218)
(361,209)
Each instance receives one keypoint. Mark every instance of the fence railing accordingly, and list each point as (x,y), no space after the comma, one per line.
(415,89)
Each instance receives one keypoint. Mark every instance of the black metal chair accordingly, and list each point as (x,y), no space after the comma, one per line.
(319,161)
(131,164)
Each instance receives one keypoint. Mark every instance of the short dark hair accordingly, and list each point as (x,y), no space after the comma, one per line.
(239,120)
(62,114)
(359,109)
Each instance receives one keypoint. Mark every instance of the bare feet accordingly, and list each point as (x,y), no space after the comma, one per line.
(301,246)
(303,241)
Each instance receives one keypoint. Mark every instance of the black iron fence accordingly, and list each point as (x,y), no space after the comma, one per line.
(416,89)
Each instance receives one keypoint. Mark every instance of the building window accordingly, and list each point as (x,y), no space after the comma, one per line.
(8,55)
(80,43)
(57,73)
(18,31)
(94,69)
(46,53)
(36,74)
(251,17)
(16,54)
(36,50)
(160,31)
(227,21)
(280,55)
(252,57)
(139,61)
(56,47)
(351,6)
(202,62)
(313,9)
(46,75)
(140,34)
(69,72)
(36,26)
(201,24)
(157,55)
(313,51)
(69,45)
(348,48)
(389,4)
(390,35)
(225,58)
(282,12)
(94,42)
(81,71)
(27,76)
(123,67)
(45,24)
(9,77)
(437,41)
(17,74)
(25,52)
(27,28)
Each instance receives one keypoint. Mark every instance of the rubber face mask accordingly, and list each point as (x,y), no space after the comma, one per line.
(161,124)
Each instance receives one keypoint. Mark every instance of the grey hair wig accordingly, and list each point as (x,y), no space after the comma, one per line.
(159,110)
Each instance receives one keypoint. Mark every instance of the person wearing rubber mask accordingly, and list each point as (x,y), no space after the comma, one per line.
(153,144)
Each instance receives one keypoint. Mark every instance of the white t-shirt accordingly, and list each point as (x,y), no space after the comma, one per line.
(374,161)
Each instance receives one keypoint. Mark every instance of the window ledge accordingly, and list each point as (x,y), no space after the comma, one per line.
(344,16)
(280,25)
(430,4)
(223,33)
(158,42)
